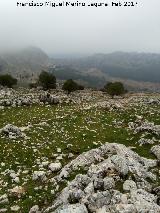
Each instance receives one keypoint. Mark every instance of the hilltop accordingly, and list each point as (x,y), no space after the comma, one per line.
(28,61)
(139,71)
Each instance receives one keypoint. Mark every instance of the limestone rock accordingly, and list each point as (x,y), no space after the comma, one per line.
(54,167)
(129,185)
(74,208)
(156,151)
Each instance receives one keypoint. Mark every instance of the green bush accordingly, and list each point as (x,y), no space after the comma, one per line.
(47,80)
(70,86)
(115,88)
(7,80)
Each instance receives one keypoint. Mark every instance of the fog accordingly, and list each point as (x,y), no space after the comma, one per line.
(81,30)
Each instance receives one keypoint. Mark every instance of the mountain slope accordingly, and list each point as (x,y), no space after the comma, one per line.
(133,66)
(29,60)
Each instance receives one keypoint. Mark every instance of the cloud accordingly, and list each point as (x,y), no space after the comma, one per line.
(81,30)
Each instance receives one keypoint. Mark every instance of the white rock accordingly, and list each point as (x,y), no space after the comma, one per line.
(59,150)
(3,210)
(15,208)
(70,155)
(54,167)
(45,163)
(16,180)
(3,164)
(4,199)
(34,209)
(109,183)
(74,208)
(129,185)
(12,131)
(39,175)
(52,192)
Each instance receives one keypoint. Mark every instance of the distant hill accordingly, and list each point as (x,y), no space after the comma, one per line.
(28,61)
(138,71)
(133,66)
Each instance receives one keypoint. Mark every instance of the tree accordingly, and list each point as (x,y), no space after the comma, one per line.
(47,80)
(70,86)
(7,80)
(115,88)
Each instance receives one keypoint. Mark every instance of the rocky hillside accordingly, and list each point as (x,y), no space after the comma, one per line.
(139,71)
(79,153)
(134,66)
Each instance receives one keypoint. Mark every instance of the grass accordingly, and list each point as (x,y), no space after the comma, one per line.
(65,124)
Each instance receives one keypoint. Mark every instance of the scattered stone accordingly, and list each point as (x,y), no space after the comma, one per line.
(39,175)
(144,141)
(34,209)
(70,155)
(149,127)
(54,167)
(3,210)
(15,208)
(4,199)
(59,150)
(17,191)
(45,163)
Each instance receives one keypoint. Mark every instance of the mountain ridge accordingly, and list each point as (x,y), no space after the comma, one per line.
(132,68)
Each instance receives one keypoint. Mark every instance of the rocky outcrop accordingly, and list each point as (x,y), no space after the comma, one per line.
(55,166)
(107,168)
(74,208)
(156,151)
(148,127)
(144,141)
(12,131)
(48,98)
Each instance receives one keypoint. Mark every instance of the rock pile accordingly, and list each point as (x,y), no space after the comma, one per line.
(149,127)
(115,180)
(26,97)
(12,131)
(47,98)
(144,141)
(156,151)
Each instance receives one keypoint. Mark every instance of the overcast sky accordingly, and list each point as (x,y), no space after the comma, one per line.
(81,30)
